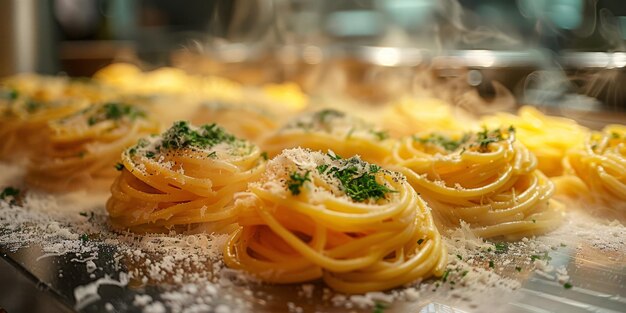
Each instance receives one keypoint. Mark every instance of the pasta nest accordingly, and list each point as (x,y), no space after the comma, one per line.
(547,137)
(358,227)
(597,171)
(81,150)
(183,179)
(486,179)
(330,129)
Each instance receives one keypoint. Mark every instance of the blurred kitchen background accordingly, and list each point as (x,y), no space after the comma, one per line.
(555,53)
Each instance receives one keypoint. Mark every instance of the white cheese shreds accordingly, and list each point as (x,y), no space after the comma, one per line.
(190,276)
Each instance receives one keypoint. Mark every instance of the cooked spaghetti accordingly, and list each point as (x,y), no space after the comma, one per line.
(28,102)
(548,137)
(486,179)
(245,121)
(81,150)
(408,116)
(331,130)
(597,172)
(182,179)
(358,227)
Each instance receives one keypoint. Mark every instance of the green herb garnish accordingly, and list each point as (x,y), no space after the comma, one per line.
(181,136)
(567,285)
(420,241)
(501,247)
(491,264)
(32,106)
(264,155)
(443,141)
(10,94)
(296,181)
(84,237)
(379,308)
(119,166)
(357,186)
(9,194)
(115,111)
(444,278)
(333,156)
(517,268)
(380,135)
(322,168)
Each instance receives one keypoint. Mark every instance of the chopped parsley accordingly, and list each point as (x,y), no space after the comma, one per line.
(567,285)
(264,155)
(459,257)
(419,242)
(380,134)
(322,168)
(84,237)
(213,155)
(502,247)
(296,181)
(114,111)
(324,116)
(517,268)
(486,137)
(379,307)
(491,264)
(615,135)
(181,136)
(334,156)
(359,186)
(444,278)
(443,141)
(32,106)
(9,194)
(119,166)
(9,94)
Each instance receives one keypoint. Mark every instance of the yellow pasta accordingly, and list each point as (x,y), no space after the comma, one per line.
(182,179)
(548,137)
(243,121)
(409,115)
(348,222)
(331,130)
(486,179)
(596,173)
(81,150)
(28,102)
(168,81)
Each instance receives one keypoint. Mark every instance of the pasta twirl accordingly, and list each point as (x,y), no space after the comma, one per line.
(82,149)
(28,102)
(597,172)
(330,129)
(485,179)
(356,226)
(182,179)
(548,137)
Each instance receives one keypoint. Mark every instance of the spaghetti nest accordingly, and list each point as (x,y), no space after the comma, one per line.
(186,177)
(358,227)
(485,179)
(597,171)
(82,149)
(331,130)
(548,137)
(245,121)
(29,102)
